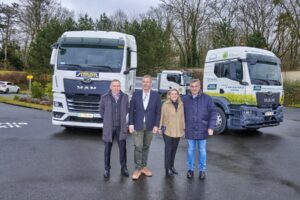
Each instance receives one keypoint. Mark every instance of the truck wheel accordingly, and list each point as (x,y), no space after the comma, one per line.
(6,91)
(221,121)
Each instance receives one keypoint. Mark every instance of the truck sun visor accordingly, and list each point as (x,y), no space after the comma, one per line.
(70,41)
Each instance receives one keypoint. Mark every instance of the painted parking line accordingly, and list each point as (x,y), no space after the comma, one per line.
(12,124)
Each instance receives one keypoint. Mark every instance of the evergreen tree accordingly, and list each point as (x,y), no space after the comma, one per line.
(40,48)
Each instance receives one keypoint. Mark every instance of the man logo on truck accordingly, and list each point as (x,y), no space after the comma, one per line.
(81,87)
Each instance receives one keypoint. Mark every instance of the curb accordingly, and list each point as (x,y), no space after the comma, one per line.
(25,106)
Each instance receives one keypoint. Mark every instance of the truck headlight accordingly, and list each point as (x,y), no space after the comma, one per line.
(57,104)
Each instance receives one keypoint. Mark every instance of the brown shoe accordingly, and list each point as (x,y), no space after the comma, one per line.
(136,174)
(147,172)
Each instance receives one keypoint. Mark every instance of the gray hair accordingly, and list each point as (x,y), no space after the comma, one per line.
(195,81)
(147,76)
(115,80)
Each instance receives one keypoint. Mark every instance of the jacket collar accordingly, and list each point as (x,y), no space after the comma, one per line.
(169,101)
(110,93)
(198,95)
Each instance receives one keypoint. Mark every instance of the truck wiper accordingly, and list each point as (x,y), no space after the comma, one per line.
(101,67)
(277,82)
(73,66)
(261,80)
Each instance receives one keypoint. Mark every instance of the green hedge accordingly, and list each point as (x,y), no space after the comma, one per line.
(291,93)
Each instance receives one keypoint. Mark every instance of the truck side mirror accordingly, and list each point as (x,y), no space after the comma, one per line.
(53,54)
(128,70)
(53,57)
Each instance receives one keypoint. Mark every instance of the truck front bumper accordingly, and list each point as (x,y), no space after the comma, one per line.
(63,117)
(76,124)
(248,117)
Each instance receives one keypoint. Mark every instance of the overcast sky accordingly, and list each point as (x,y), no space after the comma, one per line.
(95,7)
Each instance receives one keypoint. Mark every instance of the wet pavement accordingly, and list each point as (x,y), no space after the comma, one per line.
(42,161)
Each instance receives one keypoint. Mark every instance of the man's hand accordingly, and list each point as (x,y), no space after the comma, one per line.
(210,131)
(131,129)
(155,129)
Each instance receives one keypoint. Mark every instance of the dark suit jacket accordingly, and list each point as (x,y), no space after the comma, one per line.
(106,114)
(137,111)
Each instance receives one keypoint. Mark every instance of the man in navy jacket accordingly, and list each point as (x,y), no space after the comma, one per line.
(200,120)
(144,118)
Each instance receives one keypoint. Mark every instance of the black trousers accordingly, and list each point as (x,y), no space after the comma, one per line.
(122,150)
(171,145)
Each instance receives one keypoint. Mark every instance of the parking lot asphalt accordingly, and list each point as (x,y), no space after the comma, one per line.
(42,161)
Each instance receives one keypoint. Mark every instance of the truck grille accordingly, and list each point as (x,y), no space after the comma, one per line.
(87,103)
(267,100)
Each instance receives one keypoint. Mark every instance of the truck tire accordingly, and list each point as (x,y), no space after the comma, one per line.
(221,121)
(6,91)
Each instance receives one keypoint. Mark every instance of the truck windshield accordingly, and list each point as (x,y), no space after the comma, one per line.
(94,58)
(265,73)
(187,78)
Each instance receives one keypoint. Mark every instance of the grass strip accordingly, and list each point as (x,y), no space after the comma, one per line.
(25,104)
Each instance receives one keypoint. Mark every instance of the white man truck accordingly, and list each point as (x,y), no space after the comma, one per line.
(173,79)
(85,63)
(246,86)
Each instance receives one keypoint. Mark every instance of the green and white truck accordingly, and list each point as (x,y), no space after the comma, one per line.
(246,86)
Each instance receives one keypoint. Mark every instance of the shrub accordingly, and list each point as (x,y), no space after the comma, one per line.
(16,97)
(291,92)
(37,90)
(48,90)
(15,77)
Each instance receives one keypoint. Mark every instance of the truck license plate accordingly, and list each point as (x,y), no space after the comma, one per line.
(269,113)
(85,115)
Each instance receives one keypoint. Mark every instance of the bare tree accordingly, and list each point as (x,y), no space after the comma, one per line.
(288,33)
(8,15)
(257,16)
(35,14)
(189,18)
(119,20)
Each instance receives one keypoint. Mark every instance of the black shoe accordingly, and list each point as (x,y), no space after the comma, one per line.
(169,172)
(174,170)
(106,174)
(201,175)
(124,172)
(190,174)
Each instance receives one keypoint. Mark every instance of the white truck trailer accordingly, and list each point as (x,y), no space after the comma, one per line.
(246,86)
(85,62)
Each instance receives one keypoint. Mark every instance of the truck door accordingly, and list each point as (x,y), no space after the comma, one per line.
(230,81)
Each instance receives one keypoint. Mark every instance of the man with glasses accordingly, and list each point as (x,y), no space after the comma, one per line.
(200,120)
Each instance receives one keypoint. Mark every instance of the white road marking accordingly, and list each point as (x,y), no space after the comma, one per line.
(13,124)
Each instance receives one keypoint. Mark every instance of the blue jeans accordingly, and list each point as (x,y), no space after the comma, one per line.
(201,153)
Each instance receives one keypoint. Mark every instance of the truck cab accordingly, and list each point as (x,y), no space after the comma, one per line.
(173,79)
(246,86)
(85,63)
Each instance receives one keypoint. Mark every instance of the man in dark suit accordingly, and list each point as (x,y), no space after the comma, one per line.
(114,109)
(144,118)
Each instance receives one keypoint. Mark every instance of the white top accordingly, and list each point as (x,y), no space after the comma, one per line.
(146,97)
